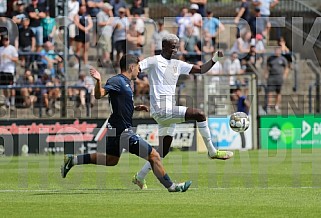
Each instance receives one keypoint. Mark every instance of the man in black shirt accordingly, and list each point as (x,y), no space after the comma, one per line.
(36,12)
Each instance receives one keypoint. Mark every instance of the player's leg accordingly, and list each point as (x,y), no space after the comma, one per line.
(71,160)
(166,133)
(136,145)
(111,158)
(199,116)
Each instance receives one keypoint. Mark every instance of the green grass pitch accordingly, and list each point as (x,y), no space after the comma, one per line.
(282,183)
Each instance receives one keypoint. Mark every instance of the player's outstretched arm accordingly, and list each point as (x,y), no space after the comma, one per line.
(208,65)
(99,91)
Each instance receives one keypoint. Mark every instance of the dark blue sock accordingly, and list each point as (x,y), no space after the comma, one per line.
(166,181)
(83,159)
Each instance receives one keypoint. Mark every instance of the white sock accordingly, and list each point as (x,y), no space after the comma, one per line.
(13,100)
(7,102)
(206,135)
(173,186)
(75,160)
(144,171)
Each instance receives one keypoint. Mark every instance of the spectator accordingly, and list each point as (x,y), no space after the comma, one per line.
(9,29)
(105,24)
(277,71)
(265,6)
(49,27)
(27,42)
(94,7)
(80,95)
(36,12)
(201,6)
(117,4)
(259,47)
(212,26)
(121,24)
(196,20)
(207,47)
(135,40)
(189,46)
(73,9)
(285,50)
(84,23)
(49,58)
(24,95)
(137,8)
(183,20)
(19,14)
(156,45)
(232,67)
(47,96)
(242,44)
(140,25)
(8,60)
(250,59)
(258,24)
(243,13)
(242,103)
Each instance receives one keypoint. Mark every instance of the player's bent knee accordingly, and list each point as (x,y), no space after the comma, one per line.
(154,157)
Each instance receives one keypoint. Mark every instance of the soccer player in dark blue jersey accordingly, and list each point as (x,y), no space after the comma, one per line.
(121,97)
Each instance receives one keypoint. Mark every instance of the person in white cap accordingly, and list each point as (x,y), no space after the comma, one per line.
(196,19)
(201,6)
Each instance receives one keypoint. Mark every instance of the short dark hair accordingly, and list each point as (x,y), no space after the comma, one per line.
(126,60)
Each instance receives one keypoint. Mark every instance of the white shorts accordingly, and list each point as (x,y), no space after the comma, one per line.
(72,30)
(168,118)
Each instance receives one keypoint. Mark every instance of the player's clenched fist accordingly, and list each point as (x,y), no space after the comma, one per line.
(218,56)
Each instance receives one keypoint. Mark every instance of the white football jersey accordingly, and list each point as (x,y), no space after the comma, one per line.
(163,75)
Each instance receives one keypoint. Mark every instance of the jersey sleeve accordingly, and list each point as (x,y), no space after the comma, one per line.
(184,68)
(146,64)
(112,85)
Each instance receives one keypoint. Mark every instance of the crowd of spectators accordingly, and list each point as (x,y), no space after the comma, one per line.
(118,27)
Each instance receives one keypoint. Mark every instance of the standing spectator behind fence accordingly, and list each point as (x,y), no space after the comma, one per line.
(8,60)
(232,67)
(24,97)
(121,25)
(36,12)
(135,40)
(242,44)
(84,23)
(19,14)
(196,20)
(49,27)
(276,72)
(201,6)
(244,13)
(105,24)
(265,7)
(137,8)
(156,45)
(27,42)
(183,20)
(189,47)
(117,4)
(73,9)
(94,7)
(258,24)
(212,26)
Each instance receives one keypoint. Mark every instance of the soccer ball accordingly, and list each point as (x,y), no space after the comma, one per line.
(239,122)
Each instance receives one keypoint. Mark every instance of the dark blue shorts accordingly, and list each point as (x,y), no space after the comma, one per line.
(130,141)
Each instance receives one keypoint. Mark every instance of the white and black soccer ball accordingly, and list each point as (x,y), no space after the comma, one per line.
(239,121)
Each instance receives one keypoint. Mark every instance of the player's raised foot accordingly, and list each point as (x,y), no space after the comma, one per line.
(68,164)
(222,155)
(140,182)
(180,187)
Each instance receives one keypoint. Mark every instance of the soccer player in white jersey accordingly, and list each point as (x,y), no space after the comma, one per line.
(163,73)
